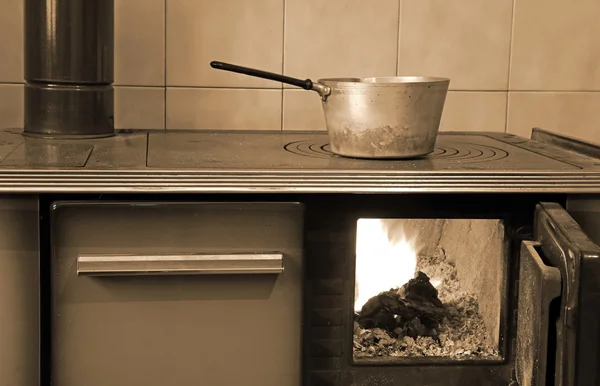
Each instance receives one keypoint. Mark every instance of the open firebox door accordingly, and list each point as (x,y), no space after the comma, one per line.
(559,295)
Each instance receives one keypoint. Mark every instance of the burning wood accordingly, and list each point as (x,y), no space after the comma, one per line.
(416,320)
(413,310)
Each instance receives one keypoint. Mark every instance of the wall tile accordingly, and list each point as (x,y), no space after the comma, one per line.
(11,41)
(342,38)
(556,45)
(248,33)
(467,41)
(474,111)
(234,109)
(139,108)
(140,42)
(11,105)
(302,110)
(463,111)
(569,113)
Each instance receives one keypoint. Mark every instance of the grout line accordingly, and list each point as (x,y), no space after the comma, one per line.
(451,90)
(510,44)
(192,87)
(282,63)
(281,115)
(556,91)
(223,87)
(138,86)
(165,72)
(398,37)
(165,109)
(506,113)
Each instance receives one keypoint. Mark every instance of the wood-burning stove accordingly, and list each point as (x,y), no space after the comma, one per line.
(223,258)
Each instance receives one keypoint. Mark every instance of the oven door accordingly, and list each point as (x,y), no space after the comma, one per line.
(181,294)
(558,328)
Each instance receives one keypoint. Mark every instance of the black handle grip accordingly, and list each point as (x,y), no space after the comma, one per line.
(305,84)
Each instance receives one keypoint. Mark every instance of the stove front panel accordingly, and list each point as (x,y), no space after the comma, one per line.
(19,291)
(92,315)
(128,310)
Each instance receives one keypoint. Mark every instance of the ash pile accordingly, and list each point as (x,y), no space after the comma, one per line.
(417,320)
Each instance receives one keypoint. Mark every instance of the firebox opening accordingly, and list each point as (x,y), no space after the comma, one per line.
(428,289)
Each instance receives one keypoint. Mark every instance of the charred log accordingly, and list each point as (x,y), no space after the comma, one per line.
(413,310)
(420,290)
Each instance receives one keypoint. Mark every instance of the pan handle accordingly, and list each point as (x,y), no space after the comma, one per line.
(306,84)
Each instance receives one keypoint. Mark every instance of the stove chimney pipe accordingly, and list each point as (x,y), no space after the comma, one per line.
(69,68)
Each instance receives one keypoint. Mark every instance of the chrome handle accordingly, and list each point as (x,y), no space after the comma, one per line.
(183,264)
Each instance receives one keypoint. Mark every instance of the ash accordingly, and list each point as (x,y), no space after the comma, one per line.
(460,334)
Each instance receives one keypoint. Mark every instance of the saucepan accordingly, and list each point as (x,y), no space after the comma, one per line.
(379,117)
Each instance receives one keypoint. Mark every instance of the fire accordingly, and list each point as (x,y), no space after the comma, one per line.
(382,263)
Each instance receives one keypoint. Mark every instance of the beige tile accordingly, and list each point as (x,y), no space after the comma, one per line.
(556,45)
(140,42)
(302,110)
(248,33)
(11,41)
(139,108)
(214,109)
(11,105)
(467,41)
(342,38)
(474,111)
(570,113)
(463,111)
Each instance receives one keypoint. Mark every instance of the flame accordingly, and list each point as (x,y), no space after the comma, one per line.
(382,263)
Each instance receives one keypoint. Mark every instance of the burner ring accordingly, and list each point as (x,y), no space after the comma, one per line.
(460,152)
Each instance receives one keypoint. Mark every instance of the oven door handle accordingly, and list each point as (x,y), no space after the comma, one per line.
(539,285)
(179,264)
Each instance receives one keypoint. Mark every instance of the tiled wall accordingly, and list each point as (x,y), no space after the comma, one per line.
(513,64)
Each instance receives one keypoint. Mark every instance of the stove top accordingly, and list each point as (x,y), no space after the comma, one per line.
(190,154)
(311,151)
(256,150)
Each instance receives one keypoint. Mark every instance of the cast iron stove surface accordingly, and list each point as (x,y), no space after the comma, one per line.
(311,151)
(294,161)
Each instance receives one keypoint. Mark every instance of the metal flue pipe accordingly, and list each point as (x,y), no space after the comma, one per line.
(69,53)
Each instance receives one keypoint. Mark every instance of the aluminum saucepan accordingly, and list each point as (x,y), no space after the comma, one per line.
(380,117)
